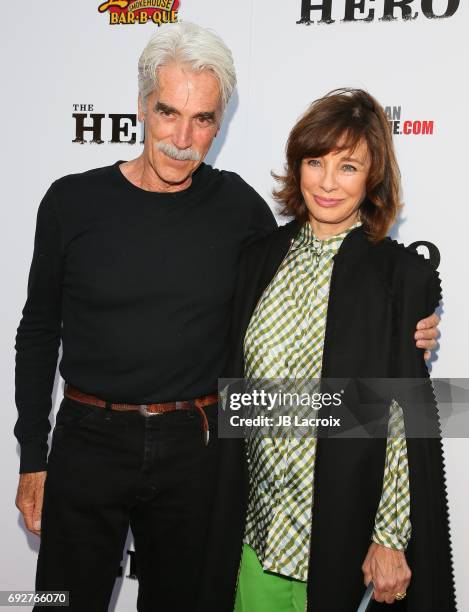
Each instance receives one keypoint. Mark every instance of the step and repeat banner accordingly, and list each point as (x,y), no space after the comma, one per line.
(68,104)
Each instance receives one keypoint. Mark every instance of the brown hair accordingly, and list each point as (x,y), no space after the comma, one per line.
(345,116)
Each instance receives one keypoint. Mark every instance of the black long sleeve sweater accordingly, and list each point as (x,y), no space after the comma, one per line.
(137,286)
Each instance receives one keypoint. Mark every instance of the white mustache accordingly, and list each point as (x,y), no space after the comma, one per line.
(179,154)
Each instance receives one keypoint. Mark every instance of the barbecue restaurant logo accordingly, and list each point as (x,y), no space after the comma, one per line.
(127,12)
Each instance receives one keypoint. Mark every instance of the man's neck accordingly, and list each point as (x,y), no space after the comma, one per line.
(140,173)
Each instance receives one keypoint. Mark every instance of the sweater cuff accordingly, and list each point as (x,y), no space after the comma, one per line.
(390,540)
(33,456)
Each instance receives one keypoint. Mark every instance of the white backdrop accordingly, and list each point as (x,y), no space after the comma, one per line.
(59,54)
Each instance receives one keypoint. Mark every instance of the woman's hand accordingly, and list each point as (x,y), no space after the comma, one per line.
(389,571)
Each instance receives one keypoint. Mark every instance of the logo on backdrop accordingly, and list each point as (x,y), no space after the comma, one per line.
(363,10)
(132,566)
(121,128)
(429,250)
(408,127)
(127,12)
(118,128)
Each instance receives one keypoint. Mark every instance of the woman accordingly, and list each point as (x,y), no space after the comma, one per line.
(328,295)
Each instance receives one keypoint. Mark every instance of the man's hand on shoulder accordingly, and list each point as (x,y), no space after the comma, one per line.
(426,334)
(29,499)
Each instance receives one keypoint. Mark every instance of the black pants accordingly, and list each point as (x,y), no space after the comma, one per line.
(108,470)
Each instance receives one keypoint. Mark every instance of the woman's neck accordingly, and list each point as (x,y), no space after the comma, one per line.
(326,230)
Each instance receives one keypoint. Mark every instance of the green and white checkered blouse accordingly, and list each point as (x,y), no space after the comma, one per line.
(285,340)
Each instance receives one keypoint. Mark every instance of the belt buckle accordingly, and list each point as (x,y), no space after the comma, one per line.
(143,409)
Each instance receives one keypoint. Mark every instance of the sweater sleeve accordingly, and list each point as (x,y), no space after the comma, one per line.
(38,340)
(392,522)
(420,296)
(262,220)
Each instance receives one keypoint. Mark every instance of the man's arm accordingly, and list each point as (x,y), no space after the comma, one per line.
(38,340)
(262,220)
(37,346)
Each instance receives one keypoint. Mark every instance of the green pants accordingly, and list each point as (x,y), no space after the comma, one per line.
(261,591)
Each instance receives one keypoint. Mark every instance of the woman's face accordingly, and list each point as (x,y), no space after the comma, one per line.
(333,187)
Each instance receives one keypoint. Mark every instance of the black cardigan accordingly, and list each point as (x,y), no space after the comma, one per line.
(378,292)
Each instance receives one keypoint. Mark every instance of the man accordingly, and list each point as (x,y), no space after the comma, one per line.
(133,270)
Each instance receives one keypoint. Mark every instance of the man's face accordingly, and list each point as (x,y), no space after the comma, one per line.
(181,120)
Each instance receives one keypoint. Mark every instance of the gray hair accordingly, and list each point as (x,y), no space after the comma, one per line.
(190,44)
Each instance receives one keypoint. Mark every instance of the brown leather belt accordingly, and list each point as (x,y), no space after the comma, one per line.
(148,410)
